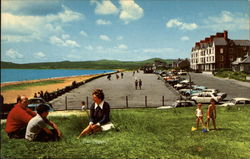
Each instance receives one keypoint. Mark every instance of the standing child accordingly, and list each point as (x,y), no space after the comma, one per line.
(199,115)
(211,113)
(83,105)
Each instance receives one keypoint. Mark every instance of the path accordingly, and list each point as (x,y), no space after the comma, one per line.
(116,91)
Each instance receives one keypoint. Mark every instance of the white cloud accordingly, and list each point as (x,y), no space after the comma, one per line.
(60,42)
(184,26)
(121,46)
(130,11)
(83,33)
(13,54)
(65,36)
(103,22)
(39,55)
(104,37)
(184,38)
(119,38)
(105,8)
(228,20)
(29,27)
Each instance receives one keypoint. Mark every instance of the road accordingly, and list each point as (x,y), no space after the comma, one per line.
(233,88)
(116,91)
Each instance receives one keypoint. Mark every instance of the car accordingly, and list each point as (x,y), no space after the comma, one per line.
(35,102)
(182,73)
(206,97)
(179,103)
(236,101)
(222,95)
(194,90)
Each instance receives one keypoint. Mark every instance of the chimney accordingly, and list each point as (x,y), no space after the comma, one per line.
(225,34)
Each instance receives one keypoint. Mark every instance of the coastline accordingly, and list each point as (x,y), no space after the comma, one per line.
(11,95)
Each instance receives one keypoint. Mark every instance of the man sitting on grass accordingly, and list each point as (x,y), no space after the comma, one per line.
(37,130)
(18,118)
(99,113)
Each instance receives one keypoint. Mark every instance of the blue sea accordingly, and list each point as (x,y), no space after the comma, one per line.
(13,75)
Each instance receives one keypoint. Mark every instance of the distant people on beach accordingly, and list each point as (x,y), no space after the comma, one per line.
(37,127)
(1,100)
(109,77)
(140,83)
(35,95)
(136,84)
(211,114)
(18,99)
(18,118)
(133,73)
(122,75)
(117,76)
(99,113)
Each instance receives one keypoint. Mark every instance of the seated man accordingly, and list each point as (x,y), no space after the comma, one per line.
(99,113)
(37,130)
(18,118)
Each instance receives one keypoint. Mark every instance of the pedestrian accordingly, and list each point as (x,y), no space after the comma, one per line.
(18,119)
(99,113)
(211,114)
(140,83)
(109,77)
(37,127)
(18,99)
(122,75)
(117,76)
(199,115)
(133,73)
(136,83)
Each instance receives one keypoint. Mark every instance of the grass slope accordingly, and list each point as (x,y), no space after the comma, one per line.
(143,133)
(100,64)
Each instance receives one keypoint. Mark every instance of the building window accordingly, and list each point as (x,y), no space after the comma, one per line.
(221,58)
(231,58)
(212,58)
(231,50)
(221,65)
(221,50)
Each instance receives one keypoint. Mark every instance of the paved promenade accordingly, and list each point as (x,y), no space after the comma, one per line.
(116,91)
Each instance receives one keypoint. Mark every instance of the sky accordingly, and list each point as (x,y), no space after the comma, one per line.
(127,30)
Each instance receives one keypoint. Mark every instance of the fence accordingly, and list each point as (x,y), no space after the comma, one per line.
(121,103)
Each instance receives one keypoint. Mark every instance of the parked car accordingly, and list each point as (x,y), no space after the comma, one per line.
(238,101)
(194,90)
(222,95)
(179,103)
(182,73)
(35,102)
(206,97)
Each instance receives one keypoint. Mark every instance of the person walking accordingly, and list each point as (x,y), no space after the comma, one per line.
(136,84)
(140,83)
(122,75)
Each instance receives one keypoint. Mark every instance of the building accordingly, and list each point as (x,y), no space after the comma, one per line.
(181,63)
(217,52)
(242,64)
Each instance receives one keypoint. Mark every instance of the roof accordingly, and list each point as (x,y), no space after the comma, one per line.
(242,42)
(246,60)
(220,41)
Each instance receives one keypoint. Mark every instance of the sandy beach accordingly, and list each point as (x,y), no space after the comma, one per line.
(11,95)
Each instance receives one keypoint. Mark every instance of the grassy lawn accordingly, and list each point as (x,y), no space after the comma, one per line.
(143,133)
(232,75)
(24,85)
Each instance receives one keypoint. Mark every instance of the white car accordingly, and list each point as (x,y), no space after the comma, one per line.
(220,94)
(206,97)
(238,101)
(179,103)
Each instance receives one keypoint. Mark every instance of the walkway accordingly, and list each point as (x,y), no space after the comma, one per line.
(116,91)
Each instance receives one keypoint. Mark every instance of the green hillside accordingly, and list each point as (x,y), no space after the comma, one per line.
(100,64)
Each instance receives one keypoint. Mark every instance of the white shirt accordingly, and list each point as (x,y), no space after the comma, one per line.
(199,113)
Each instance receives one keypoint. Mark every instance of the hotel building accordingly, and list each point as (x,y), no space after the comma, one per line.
(217,52)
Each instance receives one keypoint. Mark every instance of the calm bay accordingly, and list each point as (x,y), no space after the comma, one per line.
(14,75)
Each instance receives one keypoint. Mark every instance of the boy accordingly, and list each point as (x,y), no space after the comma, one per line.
(211,114)
(37,130)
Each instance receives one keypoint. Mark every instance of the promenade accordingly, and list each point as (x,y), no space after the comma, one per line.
(116,90)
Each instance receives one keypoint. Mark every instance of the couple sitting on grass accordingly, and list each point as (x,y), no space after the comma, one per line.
(23,122)
(211,114)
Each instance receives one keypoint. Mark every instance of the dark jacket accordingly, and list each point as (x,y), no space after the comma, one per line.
(102,116)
